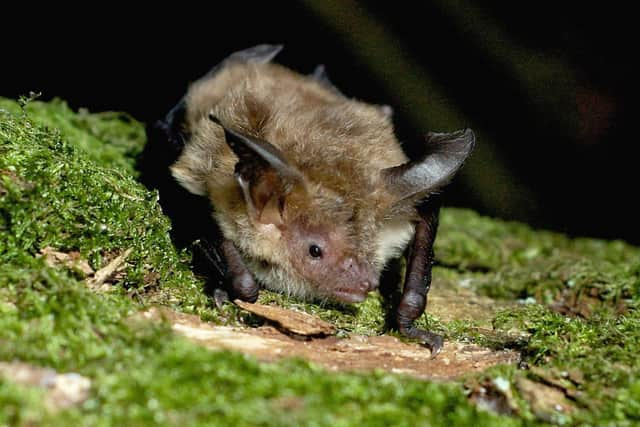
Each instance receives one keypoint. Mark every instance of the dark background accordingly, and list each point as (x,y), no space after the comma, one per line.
(546,87)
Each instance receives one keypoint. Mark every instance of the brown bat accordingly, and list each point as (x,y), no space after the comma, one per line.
(311,189)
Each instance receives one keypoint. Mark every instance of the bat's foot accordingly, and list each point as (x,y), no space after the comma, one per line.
(435,342)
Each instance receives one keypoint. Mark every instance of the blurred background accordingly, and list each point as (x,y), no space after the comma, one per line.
(545,85)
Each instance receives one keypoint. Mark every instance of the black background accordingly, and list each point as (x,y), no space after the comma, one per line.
(573,157)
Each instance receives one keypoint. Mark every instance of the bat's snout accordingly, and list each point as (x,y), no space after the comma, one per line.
(362,287)
(355,282)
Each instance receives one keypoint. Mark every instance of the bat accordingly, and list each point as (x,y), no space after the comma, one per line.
(311,190)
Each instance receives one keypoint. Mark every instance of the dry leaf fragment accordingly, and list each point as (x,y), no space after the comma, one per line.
(70,260)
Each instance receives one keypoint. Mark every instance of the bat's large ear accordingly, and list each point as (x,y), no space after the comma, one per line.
(320,75)
(260,54)
(264,174)
(174,126)
(446,152)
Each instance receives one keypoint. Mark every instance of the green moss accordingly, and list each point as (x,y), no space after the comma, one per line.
(585,318)
(468,241)
(143,375)
(57,191)
(20,405)
(67,180)
(603,348)
(518,262)
(55,195)
(111,139)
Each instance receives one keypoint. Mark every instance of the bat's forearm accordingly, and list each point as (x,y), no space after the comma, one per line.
(227,269)
(418,278)
(239,281)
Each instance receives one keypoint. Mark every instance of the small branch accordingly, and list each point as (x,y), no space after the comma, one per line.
(96,282)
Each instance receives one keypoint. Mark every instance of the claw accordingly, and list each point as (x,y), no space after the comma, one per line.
(435,345)
(435,342)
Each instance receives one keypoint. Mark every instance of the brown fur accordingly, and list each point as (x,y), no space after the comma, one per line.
(338,144)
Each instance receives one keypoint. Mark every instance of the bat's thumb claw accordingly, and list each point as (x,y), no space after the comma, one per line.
(435,342)
(436,345)
(220,297)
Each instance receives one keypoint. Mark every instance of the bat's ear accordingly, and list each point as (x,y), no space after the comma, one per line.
(259,54)
(174,123)
(320,75)
(264,174)
(190,169)
(446,152)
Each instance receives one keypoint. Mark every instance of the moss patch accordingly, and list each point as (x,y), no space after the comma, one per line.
(56,191)
(67,181)
(111,139)
(144,375)
(55,195)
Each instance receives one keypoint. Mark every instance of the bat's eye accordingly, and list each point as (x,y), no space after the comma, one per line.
(315,251)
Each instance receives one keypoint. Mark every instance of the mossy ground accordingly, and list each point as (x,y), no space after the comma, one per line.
(67,180)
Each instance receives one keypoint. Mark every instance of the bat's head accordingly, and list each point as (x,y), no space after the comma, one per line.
(325,253)
(305,233)
(323,243)
(324,223)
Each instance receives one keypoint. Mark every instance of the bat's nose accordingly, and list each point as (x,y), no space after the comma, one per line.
(368,285)
(373,283)
(366,278)
(363,287)
(355,280)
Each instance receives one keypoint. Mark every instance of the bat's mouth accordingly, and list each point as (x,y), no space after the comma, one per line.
(352,295)
(349,296)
